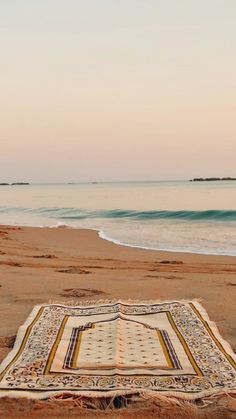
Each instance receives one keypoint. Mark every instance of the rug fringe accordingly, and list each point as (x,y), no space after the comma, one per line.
(119,401)
(79,302)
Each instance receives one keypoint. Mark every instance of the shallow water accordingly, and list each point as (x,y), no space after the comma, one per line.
(177,216)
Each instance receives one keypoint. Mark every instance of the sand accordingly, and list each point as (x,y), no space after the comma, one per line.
(42,264)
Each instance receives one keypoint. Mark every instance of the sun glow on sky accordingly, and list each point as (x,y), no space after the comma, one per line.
(116,90)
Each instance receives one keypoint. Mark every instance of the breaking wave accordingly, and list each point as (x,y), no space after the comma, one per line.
(81,214)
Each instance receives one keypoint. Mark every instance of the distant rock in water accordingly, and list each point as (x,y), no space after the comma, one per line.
(20,183)
(15,183)
(211,179)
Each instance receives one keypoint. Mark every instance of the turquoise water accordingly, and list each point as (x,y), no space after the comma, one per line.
(175,216)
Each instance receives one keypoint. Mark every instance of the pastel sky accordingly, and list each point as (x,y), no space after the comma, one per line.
(117,89)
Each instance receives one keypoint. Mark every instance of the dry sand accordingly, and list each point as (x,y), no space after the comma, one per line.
(39,264)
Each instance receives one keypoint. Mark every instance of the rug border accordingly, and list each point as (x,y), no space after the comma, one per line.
(112,393)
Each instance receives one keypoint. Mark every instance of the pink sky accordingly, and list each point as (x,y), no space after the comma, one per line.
(111,90)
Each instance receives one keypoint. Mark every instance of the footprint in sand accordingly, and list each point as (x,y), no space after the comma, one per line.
(73,271)
(7,342)
(172,262)
(9,263)
(44,257)
(81,292)
(164,277)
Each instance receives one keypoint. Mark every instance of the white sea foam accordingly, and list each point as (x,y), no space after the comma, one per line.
(104,236)
(158,216)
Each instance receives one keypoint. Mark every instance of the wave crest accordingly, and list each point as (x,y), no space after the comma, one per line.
(80,214)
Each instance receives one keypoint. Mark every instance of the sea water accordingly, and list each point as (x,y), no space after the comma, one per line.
(184,216)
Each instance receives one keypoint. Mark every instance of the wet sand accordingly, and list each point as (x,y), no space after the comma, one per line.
(42,264)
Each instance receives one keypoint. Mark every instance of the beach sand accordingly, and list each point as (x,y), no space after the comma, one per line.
(42,264)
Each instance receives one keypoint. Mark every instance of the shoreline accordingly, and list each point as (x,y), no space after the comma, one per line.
(39,265)
(103,236)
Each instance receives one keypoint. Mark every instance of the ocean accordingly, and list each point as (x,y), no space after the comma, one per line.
(195,217)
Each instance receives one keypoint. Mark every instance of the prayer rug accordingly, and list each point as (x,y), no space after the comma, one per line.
(118,348)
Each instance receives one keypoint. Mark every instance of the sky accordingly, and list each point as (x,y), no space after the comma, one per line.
(117,89)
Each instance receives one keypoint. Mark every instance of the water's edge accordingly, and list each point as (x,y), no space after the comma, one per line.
(103,236)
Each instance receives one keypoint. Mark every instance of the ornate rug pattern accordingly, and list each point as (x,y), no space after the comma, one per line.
(117,348)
